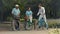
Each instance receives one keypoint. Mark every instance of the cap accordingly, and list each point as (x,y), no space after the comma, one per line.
(16,5)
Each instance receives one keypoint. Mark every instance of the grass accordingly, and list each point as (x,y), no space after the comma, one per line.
(54,31)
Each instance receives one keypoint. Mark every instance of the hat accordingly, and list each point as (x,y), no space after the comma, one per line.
(16,5)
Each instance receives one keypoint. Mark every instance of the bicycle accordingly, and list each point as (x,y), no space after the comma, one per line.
(42,24)
(29,25)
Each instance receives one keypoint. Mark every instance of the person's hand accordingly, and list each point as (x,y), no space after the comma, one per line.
(38,14)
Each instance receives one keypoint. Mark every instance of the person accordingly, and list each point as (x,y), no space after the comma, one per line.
(16,16)
(29,16)
(42,15)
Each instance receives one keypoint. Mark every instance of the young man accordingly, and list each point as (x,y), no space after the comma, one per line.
(16,16)
(42,14)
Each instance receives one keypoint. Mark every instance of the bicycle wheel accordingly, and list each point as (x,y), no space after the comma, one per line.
(29,25)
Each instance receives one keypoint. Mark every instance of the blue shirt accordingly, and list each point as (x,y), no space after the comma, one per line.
(28,13)
(15,11)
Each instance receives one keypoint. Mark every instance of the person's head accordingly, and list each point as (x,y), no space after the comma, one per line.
(29,8)
(40,5)
(16,6)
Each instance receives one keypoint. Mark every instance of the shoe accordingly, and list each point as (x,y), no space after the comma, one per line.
(39,27)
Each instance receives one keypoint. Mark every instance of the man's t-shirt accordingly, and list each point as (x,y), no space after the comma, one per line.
(15,11)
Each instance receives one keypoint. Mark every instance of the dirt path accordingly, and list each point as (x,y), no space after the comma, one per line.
(24,32)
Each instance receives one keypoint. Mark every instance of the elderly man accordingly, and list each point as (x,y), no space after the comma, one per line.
(42,15)
(16,16)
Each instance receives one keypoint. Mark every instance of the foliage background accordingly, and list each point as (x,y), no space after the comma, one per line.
(52,8)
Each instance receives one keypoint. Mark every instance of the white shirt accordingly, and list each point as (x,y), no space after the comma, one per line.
(15,11)
(41,11)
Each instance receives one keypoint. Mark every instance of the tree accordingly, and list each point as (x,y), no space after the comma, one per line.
(52,7)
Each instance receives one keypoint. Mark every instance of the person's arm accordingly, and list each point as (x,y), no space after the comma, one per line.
(12,12)
(19,13)
(31,13)
(43,11)
(26,15)
(38,13)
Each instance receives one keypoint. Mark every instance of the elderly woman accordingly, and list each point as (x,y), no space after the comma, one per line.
(29,16)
